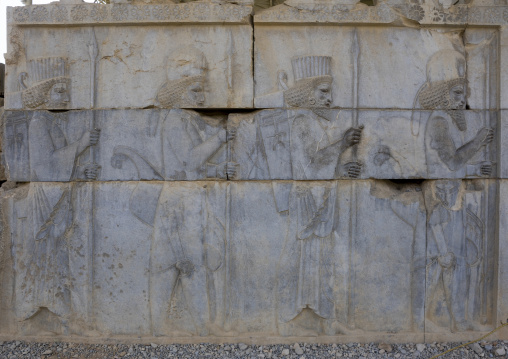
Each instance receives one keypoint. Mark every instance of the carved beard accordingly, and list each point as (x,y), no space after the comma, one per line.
(321,112)
(459,119)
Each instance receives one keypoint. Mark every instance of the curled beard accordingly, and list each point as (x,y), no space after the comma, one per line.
(321,112)
(459,118)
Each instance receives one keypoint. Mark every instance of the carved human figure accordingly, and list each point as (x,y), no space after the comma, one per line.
(187,244)
(447,143)
(454,249)
(186,77)
(56,246)
(307,266)
(50,84)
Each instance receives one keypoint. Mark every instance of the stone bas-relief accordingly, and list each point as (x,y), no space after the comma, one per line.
(151,145)
(324,144)
(189,265)
(314,144)
(360,80)
(460,255)
(135,67)
(360,202)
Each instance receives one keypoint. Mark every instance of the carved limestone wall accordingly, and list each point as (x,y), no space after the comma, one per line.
(321,170)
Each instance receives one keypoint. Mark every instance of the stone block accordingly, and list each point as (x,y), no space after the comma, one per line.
(285,258)
(113,66)
(502,274)
(110,145)
(320,144)
(363,67)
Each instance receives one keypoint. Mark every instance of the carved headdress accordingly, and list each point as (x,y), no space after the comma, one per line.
(445,70)
(44,74)
(308,71)
(185,67)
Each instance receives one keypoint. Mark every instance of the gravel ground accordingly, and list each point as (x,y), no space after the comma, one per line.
(18,349)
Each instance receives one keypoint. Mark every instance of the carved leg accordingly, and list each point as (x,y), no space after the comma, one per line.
(196,297)
(162,286)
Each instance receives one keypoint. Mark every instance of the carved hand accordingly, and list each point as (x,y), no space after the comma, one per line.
(485,136)
(351,169)
(94,136)
(186,267)
(92,171)
(230,134)
(227,169)
(485,168)
(447,260)
(352,136)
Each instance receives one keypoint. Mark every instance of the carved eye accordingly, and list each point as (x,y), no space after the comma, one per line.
(324,90)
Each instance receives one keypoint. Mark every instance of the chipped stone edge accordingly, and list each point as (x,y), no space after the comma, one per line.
(386,13)
(97,14)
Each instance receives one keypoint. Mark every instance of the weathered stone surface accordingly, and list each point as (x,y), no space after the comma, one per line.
(126,145)
(350,59)
(88,257)
(323,144)
(363,201)
(502,276)
(461,258)
(132,66)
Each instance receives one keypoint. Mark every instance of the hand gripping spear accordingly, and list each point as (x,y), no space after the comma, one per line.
(355,52)
(92,52)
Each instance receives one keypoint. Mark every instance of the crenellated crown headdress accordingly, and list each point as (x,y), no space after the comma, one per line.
(47,68)
(311,66)
(44,73)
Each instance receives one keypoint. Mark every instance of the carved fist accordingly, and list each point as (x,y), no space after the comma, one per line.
(92,171)
(227,170)
(353,136)
(485,135)
(351,169)
(186,267)
(94,136)
(230,134)
(485,168)
(446,261)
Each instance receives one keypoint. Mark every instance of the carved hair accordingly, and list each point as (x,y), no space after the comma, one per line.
(38,94)
(300,94)
(174,93)
(436,95)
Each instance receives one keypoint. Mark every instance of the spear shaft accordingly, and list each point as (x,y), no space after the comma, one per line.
(353,200)
(93,52)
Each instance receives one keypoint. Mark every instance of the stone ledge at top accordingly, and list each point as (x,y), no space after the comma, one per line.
(127,13)
(395,12)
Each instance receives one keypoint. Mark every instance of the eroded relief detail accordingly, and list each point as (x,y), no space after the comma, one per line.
(458,279)
(188,250)
(186,71)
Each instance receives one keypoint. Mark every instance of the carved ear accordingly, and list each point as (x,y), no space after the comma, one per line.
(282,78)
(22,77)
(312,100)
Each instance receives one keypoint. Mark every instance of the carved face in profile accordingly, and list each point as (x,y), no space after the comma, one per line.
(196,93)
(322,95)
(458,97)
(447,192)
(58,96)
